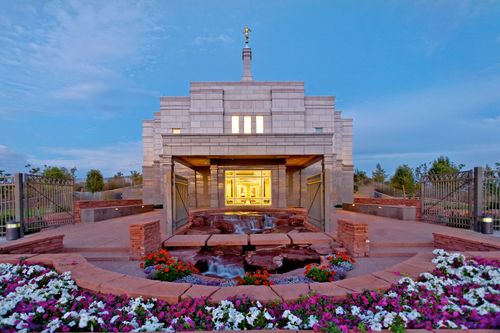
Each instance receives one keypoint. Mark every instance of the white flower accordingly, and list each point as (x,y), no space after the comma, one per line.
(339,310)
(311,321)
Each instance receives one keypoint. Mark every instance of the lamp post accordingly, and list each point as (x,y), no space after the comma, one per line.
(486,224)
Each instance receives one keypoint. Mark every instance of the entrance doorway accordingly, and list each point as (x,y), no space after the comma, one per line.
(248,187)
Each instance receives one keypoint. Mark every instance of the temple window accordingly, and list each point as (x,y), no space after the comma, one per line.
(259,124)
(235,124)
(247,123)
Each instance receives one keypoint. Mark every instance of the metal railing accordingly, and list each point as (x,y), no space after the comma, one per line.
(7,202)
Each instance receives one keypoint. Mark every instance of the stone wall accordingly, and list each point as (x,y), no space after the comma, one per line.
(144,239)
(393,202)
(354,237)
(78,205)
(464,243)
(34,244)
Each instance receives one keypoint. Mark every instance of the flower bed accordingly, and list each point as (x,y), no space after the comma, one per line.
(459,293)
(161,266)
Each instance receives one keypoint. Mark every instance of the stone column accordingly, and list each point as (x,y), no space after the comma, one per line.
(327,168)
(282,186)
(167,183)
(214,192)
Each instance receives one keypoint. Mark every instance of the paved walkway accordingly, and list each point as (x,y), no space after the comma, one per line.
(387,230)
(104,235)
(113,233)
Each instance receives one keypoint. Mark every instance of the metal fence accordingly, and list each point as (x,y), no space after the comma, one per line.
(37,202)
(7,202)
(460,199)
(48,202)
(491,200)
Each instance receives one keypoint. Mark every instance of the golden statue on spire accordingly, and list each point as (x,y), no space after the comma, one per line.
(247,32)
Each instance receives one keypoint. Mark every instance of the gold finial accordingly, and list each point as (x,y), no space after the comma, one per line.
(247,32)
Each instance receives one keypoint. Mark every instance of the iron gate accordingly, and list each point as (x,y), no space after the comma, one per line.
(314,186)
(448,199)
(48,202)
(181,201)
(491,201)
(7,202)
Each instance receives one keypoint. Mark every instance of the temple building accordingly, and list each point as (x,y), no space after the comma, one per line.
(247,144)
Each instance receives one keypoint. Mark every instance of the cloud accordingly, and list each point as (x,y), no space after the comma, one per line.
(459,119)
(221,38)
(72,50)
(10,161)
(123,157)
(80,91)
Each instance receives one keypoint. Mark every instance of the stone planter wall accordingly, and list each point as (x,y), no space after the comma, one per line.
(38,243)
(354,237)
(464,243)
(144,239)
(82,204)
(393,202)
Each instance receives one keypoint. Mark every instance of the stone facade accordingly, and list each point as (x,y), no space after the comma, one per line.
(279,129)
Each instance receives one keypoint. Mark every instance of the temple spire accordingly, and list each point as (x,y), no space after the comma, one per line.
(247,58)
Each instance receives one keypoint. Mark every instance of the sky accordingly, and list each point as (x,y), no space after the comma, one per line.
(420,78)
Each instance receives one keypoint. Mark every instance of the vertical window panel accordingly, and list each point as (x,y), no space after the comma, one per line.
(235,124)
(247,123)
(259,124)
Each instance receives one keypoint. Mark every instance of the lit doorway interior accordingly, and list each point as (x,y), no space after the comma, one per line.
(248,187)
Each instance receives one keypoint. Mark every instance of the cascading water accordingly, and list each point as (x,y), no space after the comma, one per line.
(227,271)
(268,222)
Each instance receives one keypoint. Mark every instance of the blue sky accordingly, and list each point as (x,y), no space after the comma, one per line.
(420,78)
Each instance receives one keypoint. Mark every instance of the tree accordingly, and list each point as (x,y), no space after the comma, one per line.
(32,170)
(443,165)
(136,177)
(488,171)
(379,175)
(421,171)
(404,180)
(94,181)
(360,178)
(60,173)
(117,181)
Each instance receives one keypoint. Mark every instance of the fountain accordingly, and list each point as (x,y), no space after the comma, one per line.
(247,222)
(217,268)
(268,222)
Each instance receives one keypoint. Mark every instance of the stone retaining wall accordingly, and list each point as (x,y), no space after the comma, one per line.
(400,212)
(106,213)
(34,244)
(464,243)
(354,237)
(92,278)
(82,204)
(144,239)
(393,202)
